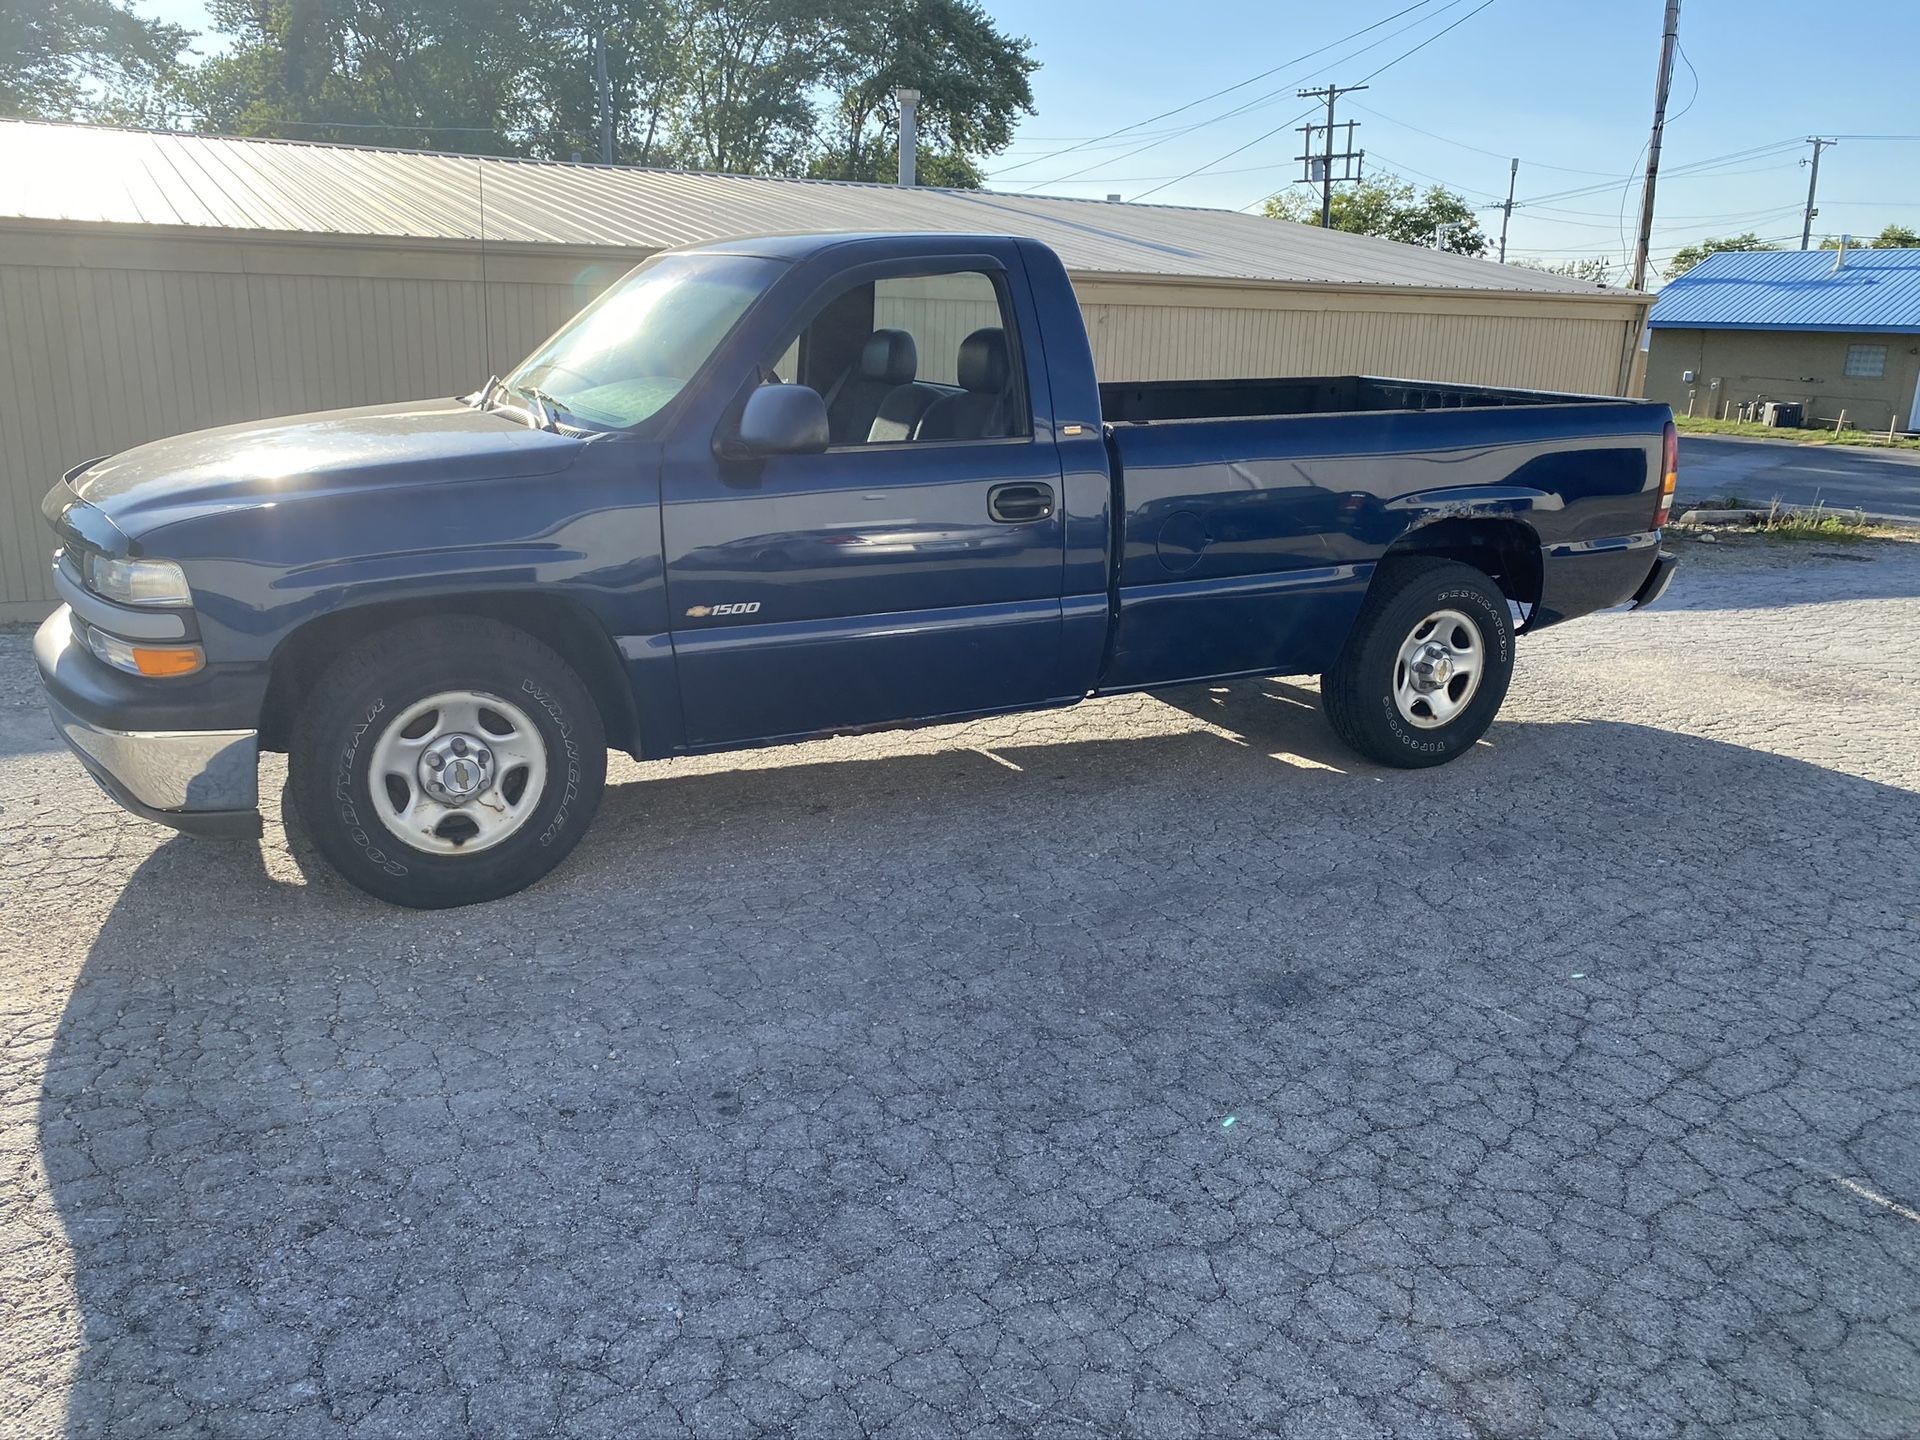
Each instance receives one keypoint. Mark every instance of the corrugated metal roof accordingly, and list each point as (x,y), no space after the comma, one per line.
(1873,290)
(137,177)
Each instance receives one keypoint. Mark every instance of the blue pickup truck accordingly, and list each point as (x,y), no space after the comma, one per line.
(788,487)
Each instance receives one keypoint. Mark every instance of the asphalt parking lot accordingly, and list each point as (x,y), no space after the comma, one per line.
(1147,1069)
(1840,477)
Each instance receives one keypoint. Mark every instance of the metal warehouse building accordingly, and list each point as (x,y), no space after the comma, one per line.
(1836,332)
(152,283)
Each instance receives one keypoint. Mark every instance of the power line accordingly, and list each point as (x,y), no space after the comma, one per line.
(1426,42)
(1353,158)
(1689,221)
(1477,149)
(1400,167)
(1415,50)
(1215,95)
(1777,147)
(1258,101)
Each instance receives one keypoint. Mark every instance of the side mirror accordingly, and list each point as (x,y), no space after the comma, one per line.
(782,420)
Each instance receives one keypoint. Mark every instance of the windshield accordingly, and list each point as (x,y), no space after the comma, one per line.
(631,351)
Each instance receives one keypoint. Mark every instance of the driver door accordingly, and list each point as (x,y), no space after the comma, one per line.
(880,580)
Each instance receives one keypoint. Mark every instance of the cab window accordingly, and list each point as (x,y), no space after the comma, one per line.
(914,358)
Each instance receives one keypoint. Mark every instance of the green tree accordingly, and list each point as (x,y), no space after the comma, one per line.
(779,87)
(974,84)
(1891,237)
(749,70)
(57,56)
(1392,208)
(417,73)
(1688,256)
(1589,267)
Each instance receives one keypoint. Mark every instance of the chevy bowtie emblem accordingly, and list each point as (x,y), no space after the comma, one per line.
(735,607)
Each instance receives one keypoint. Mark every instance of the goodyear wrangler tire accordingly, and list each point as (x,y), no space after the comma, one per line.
(1425,667)
(447,761)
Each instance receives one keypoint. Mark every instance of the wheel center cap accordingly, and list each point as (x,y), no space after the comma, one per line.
(1434,668)
(455,768)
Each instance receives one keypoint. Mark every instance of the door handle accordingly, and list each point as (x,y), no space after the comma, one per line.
(1021,502)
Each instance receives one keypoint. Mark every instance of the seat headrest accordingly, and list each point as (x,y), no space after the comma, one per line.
(983,364)
(890,355)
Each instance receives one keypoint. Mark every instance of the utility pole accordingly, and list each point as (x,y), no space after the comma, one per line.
(909,103)
(1353,158)
(1669,39)
(605,100)
(1813,181)
(1506,210)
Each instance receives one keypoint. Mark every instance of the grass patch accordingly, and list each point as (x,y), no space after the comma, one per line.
(1816,522)
(1874,439)
(1788,523)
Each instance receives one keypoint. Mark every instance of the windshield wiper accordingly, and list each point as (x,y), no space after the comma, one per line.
(547,407)
(542,408)
(539,406)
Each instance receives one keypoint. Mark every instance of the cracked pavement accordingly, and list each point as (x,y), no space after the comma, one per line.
(1146,1069)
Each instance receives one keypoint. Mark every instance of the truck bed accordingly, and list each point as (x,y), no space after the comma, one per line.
(1142,402)
(1251,513)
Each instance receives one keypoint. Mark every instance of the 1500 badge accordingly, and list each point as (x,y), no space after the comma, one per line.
(738,607)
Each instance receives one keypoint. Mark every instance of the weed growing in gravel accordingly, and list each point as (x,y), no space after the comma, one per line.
(1815,522)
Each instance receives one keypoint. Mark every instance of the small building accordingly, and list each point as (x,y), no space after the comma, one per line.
(155,282)
(1832,331)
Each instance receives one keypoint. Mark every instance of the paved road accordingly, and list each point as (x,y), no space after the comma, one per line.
(1881,482)
(1150,1069)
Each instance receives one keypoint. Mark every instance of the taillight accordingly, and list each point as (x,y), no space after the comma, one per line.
(1669,473)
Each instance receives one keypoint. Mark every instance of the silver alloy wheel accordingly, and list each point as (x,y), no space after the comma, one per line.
(457,772)
(1439,669)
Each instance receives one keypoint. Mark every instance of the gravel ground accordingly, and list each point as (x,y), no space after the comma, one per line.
(1147,1069)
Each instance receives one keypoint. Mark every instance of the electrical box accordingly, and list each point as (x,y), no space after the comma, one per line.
(1686,377)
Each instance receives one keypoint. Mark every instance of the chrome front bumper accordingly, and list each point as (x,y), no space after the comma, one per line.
(202,782)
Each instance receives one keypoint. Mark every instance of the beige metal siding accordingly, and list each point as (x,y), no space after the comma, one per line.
(1144,336)
(939,311)
(94,360)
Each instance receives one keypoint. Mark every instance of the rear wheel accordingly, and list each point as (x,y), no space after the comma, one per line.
(447,761)
(1426,666)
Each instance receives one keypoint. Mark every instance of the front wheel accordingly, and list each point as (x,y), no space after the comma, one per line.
(447,761)
(1426,666)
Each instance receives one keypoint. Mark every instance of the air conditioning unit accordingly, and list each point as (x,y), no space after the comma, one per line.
(1784,414)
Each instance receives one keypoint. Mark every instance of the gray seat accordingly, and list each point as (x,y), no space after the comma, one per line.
(887,361)
(901,412)
(979,412)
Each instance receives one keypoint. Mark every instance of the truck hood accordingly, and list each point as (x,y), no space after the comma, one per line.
(270,461)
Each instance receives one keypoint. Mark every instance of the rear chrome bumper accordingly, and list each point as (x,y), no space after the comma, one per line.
(201,782)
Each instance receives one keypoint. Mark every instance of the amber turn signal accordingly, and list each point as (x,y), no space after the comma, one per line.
(168,659)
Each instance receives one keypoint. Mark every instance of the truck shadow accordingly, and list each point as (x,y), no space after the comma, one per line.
(816,1093)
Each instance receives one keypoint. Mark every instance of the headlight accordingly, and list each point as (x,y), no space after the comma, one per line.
(137,582)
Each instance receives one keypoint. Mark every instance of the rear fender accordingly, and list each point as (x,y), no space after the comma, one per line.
(1491,529)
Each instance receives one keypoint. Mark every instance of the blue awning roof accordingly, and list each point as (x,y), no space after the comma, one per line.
(1873,291)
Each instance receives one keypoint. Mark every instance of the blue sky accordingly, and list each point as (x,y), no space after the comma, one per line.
(1556,83)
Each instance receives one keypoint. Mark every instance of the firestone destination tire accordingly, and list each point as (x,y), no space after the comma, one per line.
(447,761)
(1426,666)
